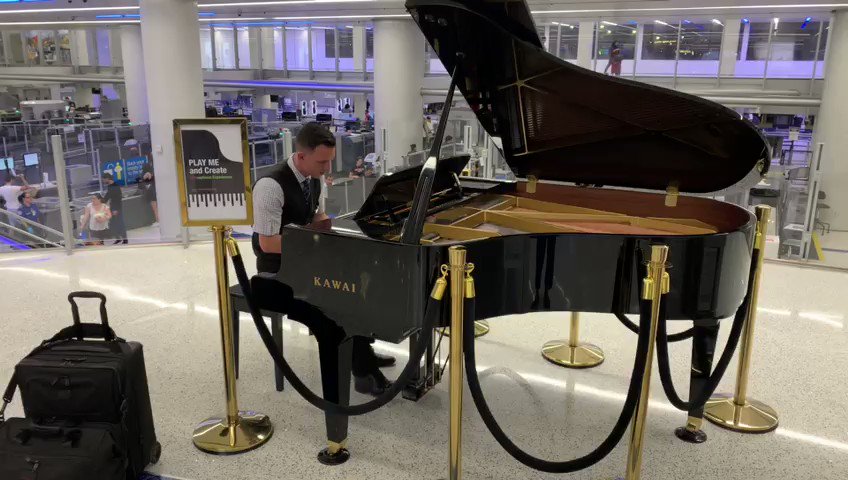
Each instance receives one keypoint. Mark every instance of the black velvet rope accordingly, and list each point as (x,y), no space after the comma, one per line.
(430,316)
(527,459)
(723,362)
(675,337)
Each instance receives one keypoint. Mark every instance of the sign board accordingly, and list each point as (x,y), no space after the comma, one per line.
(125,172)
(213,171)
(81,138)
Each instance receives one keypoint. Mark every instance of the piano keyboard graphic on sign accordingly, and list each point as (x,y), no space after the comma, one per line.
(206,200)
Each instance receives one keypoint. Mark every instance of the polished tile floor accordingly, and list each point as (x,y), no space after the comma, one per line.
(164,297)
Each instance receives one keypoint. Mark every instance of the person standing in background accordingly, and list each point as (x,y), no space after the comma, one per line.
(96,218)
(115,198)
(10,192)
(147,183)
(615,58)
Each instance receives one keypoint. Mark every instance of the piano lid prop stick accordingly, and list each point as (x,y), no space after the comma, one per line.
(654,286)
(740,413)
(236,432)
(571,353)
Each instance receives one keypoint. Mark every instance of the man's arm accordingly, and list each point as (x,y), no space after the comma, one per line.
(268,202)
(271,243)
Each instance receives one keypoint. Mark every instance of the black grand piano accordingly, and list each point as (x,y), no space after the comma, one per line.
(603,164)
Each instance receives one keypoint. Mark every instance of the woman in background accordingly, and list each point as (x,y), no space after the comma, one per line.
(96,217)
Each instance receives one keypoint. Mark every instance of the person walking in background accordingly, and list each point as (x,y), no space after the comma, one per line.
(96,218)
(615,58)
(147,184)
(115,198)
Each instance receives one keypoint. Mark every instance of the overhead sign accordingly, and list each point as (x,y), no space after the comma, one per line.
(125,172)
(213,167)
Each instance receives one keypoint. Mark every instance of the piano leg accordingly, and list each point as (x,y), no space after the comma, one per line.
(336,364)
(703,349)
(427,376)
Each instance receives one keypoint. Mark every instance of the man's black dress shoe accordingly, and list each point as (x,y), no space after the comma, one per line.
(372,384)
(383,361)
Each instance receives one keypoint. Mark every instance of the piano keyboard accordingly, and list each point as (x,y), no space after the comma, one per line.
(205,200)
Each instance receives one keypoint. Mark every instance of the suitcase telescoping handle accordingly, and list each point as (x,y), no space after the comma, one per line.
(108,333)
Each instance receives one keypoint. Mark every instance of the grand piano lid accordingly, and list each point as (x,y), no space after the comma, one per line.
(558,121)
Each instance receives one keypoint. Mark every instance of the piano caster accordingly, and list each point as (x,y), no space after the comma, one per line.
(571,353)
(334,454)
(692,432)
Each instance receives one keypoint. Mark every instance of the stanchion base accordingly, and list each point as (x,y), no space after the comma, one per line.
(215,435)
(338,458)
(752,417)
(690,436)
(481,327)
(561,353)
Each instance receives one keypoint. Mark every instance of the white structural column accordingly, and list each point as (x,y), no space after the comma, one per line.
(830,124)
(136,85)
(174,90)
(729,46)
(585,44)
(398,75)
(263,100)
(358,47)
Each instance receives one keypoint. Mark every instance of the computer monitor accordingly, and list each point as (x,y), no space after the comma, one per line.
(290,116)
(7,165)
(30,159)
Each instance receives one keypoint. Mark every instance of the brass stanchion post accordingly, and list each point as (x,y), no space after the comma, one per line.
(457,284)
(236,432)
(740,413)
(481,327)
(654,286)
(571,353)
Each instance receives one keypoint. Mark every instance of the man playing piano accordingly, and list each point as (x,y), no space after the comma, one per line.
(291,194)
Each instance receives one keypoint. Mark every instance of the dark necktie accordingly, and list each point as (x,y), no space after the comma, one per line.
(306,190)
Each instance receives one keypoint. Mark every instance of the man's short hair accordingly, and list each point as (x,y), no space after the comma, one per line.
(107,176)
(312,135)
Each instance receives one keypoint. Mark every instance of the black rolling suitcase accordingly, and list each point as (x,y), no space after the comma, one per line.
(71,379)
(29,450)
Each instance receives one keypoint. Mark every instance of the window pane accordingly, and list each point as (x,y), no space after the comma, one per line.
(568,37)
(48,47)
(323,48)
(794,41)
(225,48)
(104,52)
(369,42)
(700,41)
(297,54)
(205,48)
(824,31)
(700,49)
(659,41)
(243,36)
(758,41)
(64,47)
(31,48)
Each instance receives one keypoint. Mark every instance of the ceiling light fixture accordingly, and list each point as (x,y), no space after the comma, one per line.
(269,3)
(71,22)
(680,9)
(344,17)
(717,22)
(73,9)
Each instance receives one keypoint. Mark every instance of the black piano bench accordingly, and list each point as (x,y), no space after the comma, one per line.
(238,304)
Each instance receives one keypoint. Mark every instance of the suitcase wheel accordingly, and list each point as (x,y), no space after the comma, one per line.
(155,453)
